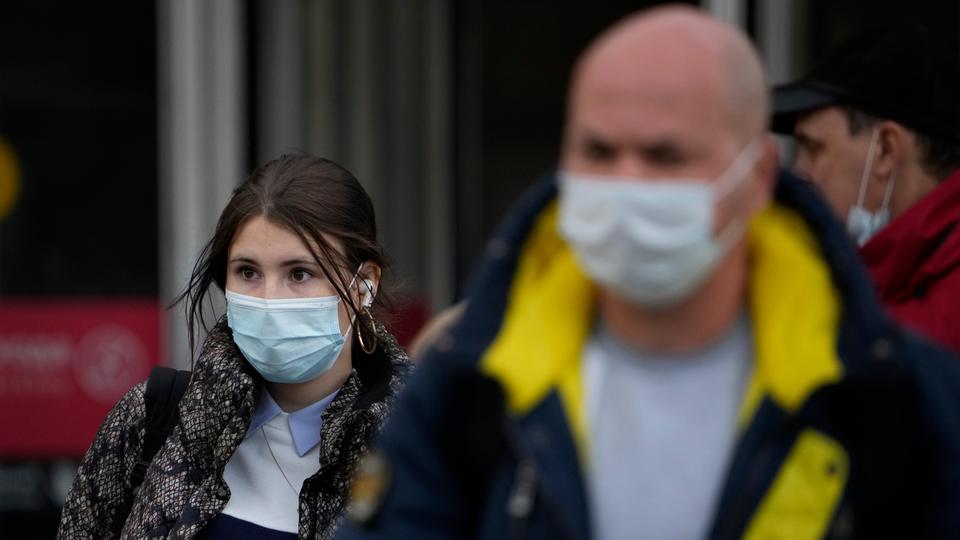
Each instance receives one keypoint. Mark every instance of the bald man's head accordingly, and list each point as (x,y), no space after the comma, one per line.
(666,81)
(666,128)
(691,48)
(670,93)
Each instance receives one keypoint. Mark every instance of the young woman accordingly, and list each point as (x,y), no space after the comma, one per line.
(288,388)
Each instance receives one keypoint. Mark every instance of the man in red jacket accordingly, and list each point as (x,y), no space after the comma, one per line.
(878,131)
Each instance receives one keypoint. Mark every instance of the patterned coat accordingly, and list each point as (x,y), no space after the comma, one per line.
(184,487)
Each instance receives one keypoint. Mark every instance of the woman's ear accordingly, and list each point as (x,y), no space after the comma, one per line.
(369,283)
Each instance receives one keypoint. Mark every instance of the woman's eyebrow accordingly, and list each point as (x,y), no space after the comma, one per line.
(294,262)
(289,262)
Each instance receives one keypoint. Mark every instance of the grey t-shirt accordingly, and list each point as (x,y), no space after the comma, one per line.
(662,429)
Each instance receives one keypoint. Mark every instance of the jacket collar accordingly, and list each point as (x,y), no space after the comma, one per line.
(792,300)
(918,246)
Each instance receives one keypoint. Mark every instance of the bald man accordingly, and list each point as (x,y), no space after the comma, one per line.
(669,340)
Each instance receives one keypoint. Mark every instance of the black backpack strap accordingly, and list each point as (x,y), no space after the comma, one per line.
(165,387)
(162,396)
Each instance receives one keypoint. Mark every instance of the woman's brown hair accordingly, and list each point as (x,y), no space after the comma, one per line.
(311,197)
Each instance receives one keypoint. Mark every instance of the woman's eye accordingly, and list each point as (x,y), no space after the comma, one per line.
(248,273)
(299,275)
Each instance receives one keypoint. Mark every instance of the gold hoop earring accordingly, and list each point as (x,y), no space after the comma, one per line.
(367,348)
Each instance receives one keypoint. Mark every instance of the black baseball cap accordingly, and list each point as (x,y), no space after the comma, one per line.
(902,75)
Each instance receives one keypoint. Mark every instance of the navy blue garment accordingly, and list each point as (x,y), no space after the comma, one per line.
(224,527)
(460,466)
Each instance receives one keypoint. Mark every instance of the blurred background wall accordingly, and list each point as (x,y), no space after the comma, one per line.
(124,126)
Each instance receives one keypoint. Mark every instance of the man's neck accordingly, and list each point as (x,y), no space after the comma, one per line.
(917,184)
(690,325)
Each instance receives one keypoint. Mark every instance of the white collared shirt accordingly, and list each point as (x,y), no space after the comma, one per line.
(268,469)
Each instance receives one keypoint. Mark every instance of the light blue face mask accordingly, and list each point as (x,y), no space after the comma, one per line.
(287,340)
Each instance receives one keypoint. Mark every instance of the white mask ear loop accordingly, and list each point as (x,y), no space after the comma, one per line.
(353,318)
(729,182)
(866,168)
(732,178)
(888,192)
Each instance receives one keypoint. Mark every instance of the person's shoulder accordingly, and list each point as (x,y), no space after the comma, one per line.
(397,360)
(129,411)
(104,471)
(935,372)
(135,395)
(942,288)
(401,367)
(921,350)
(435,329)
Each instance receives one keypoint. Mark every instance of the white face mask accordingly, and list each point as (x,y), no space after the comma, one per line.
(650,240)
(861,223)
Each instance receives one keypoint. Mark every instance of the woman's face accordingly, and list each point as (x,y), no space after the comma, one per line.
(267,260)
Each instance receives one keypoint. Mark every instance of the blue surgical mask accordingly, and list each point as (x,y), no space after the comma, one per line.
(287,340)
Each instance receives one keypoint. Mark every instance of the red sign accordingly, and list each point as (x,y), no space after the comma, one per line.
(64,364)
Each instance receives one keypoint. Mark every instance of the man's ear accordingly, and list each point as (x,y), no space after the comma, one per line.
(767,171)
(892,141)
